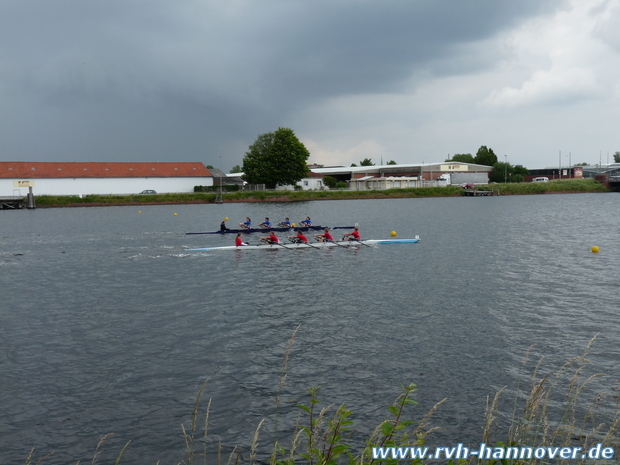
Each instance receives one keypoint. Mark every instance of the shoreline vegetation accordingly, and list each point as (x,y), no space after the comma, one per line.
(548,409)
(562,186)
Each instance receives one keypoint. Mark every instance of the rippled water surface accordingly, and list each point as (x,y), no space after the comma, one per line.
(108,326)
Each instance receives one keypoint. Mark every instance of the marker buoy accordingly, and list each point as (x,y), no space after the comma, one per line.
(293,225)
(175,214)
(393,234)
(139,211)
(595,249)
(226,219)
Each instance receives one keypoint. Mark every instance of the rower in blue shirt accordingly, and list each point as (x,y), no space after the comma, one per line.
(247,224)
(266,224)
(286,223)
(306,222)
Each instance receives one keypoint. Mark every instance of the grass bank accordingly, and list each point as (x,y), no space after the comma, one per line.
(557,186)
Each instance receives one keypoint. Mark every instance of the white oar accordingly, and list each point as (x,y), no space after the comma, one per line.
(339,245)
(265,241)
(301,242)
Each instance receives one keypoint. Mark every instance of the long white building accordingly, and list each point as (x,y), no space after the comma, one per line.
(83,178)
(393,176)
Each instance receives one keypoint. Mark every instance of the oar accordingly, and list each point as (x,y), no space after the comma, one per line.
(300,242)
(275,243)
(314,247)
(341,245)
(281,245)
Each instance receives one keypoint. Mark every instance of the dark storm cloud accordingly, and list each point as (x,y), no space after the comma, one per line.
(118,80)
(358,47)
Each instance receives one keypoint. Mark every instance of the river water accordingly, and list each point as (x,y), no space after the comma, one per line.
(108,326)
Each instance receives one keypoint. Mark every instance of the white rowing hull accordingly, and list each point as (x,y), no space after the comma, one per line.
(313,245)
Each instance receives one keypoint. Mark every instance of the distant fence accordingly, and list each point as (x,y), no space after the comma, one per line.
(225,188)
(231,188)
(253,187)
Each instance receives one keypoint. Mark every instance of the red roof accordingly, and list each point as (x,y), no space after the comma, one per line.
(31,170)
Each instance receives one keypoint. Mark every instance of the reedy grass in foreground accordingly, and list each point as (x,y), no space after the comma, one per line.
(555,410)
(559,410)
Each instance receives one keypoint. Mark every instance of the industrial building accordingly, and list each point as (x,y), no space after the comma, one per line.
(408,175)
(394,176)
(84,178)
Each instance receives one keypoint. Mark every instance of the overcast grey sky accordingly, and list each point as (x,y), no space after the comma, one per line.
(410,81)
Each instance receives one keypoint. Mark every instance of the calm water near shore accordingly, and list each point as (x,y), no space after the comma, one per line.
(108,326)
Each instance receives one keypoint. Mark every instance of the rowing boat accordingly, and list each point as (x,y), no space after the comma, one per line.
(253,230)
(314,245)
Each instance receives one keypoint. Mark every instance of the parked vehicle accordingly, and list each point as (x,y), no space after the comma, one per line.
(458,179)
(148,191)
(445,178)
(540,179)
(468,185)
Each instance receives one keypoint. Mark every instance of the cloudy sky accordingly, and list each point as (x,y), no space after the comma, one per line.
(406,80)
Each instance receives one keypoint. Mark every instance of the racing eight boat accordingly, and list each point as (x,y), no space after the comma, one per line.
(314,245)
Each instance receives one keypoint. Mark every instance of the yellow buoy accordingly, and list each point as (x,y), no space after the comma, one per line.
(595,249)
(139,211)
(175,214)
(393,234)
(226,219)
(293,225)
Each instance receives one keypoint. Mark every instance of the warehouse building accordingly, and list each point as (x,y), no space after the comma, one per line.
(408,175)
(84,178)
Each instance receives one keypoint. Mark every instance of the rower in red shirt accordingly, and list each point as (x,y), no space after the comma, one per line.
(238,241)
(271,238)
(353,236)
(299,238)
(325,237)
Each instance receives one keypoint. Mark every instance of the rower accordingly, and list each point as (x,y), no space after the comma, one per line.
(286,223)
(353,236)
(265,224)
(247,224)
(306,222)
(271,239)
(223,226)
(239,241)
(300,238)
(325,237)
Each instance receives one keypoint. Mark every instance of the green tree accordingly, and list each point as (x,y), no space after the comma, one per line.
(353,164)
(367,162)
(330,181)
(391,162)
(236,169)
(520,170)
(617,157)
(462,157)
(501,172)
(210,167)
(485,156)
(276,158)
